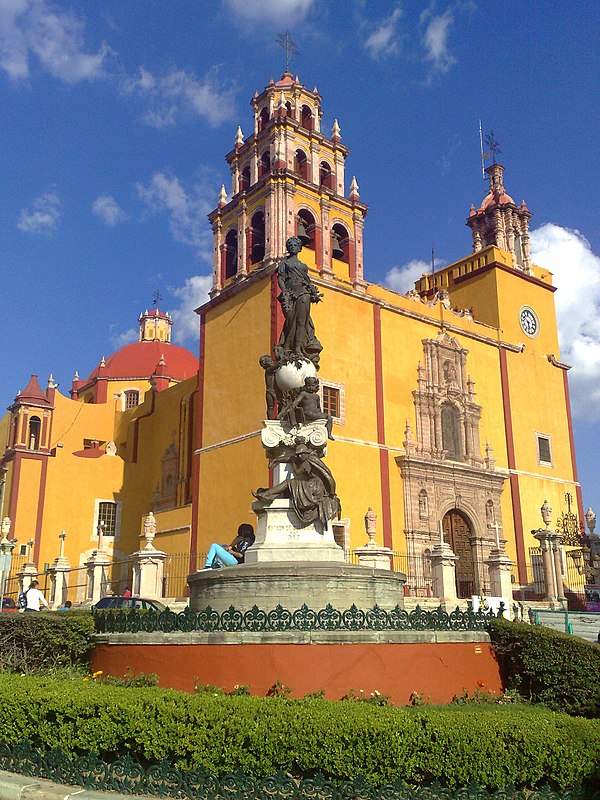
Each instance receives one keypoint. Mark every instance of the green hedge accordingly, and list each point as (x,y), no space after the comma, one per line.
(31,643)
(491,745)
(549,667)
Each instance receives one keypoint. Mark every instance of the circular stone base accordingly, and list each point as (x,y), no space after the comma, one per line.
(291,585)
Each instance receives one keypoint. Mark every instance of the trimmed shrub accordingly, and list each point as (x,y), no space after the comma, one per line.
(549,667)
(490,745)
(34,643)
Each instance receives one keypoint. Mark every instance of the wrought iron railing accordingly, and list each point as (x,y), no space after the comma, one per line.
(128,776)
(281,619)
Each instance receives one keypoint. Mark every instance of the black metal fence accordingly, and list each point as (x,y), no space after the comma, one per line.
(128,776)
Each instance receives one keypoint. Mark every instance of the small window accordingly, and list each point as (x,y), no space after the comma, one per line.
(132,398)
(107,513)
(332,400)
(544,450)
(341,536)
(22,549)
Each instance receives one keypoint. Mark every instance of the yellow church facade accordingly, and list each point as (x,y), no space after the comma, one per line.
(450,403)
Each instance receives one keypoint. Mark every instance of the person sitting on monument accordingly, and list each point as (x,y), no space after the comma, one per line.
(307,400)
(221,555)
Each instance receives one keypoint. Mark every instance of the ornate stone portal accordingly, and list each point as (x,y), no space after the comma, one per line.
(446,481)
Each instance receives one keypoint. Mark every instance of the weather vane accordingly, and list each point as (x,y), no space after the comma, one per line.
(157,298)
(493,145)
(289,45)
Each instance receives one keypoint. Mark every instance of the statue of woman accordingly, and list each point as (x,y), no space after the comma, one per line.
(297,293)
(311,489)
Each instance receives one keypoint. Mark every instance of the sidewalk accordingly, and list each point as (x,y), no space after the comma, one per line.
(22,787)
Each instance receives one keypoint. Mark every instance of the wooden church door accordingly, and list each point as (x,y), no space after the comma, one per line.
(457,532)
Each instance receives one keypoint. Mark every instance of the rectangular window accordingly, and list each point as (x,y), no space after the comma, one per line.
(544,450)
(331,401)
(132,398)
(107,513)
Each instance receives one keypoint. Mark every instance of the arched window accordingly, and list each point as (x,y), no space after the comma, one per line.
(306,118)
(340,241)
(451,438)
(301,164)
(231,253)
(326,178)
(518,249)
(244,180)
(263,119)
(305,228)
(35,430)
(290,110)
(256,239)
(264,165)
(132,398)
(13,433)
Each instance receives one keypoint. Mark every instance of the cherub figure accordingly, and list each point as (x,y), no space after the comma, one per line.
(307,400)
(272,392)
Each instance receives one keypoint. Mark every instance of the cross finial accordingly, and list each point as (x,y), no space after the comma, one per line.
(289,45)
(157,298)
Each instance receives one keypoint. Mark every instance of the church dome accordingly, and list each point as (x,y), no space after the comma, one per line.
(141,359)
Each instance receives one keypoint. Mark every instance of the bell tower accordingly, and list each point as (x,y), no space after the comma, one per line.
(499,221)
(288,179)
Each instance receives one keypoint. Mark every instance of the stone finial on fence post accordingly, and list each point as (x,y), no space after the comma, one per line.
(59,576)
(148,563)
(373,555)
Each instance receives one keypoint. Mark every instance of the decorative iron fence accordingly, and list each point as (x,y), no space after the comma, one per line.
(281,619)
(128,776)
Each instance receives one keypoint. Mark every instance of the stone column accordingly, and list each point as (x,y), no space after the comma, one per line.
(6,548)
(97,573)
(556,544)
(148,564)
(500,567)
(443,568)
(59,576)
(373,555)
(547,562)
(29,571)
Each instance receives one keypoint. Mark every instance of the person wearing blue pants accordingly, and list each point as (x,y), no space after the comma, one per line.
(229,555)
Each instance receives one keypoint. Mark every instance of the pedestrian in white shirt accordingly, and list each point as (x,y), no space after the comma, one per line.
(35,599)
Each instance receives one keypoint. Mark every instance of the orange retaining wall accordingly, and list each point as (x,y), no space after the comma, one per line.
(436,671)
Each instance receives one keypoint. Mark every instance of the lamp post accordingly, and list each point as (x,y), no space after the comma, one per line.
(3,471)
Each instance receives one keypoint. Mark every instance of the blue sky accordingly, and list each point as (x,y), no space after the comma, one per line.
(117,116)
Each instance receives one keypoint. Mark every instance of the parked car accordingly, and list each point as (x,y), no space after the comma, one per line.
(8,604)
(127,603)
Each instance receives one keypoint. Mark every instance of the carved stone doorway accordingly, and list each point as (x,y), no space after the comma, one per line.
(457,532)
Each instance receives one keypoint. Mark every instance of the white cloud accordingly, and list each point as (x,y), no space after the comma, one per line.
(402,279)
(127,337)
(384,39)
(435,38)
(576,269)
(43,216)
(187,209)
(108,210)
(51,34)
(180,92)
(192,294)
(271,12)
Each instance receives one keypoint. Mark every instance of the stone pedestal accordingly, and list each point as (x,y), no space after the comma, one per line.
(293,584)
(443,568)
(97,576)
(148,571)
(28,573)
(373,555)
(550,544)
(500,568)
(59,581)
(280,537)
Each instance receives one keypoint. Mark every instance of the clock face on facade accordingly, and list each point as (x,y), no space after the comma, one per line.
(529,321)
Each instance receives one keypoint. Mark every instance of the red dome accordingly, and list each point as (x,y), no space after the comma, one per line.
(140,360)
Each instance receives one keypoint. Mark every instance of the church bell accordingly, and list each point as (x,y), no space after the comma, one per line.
(336,247)
(302,232)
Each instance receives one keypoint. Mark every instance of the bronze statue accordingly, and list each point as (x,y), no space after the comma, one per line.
(272,391)
(311,489)
(298,339)
(308,404)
